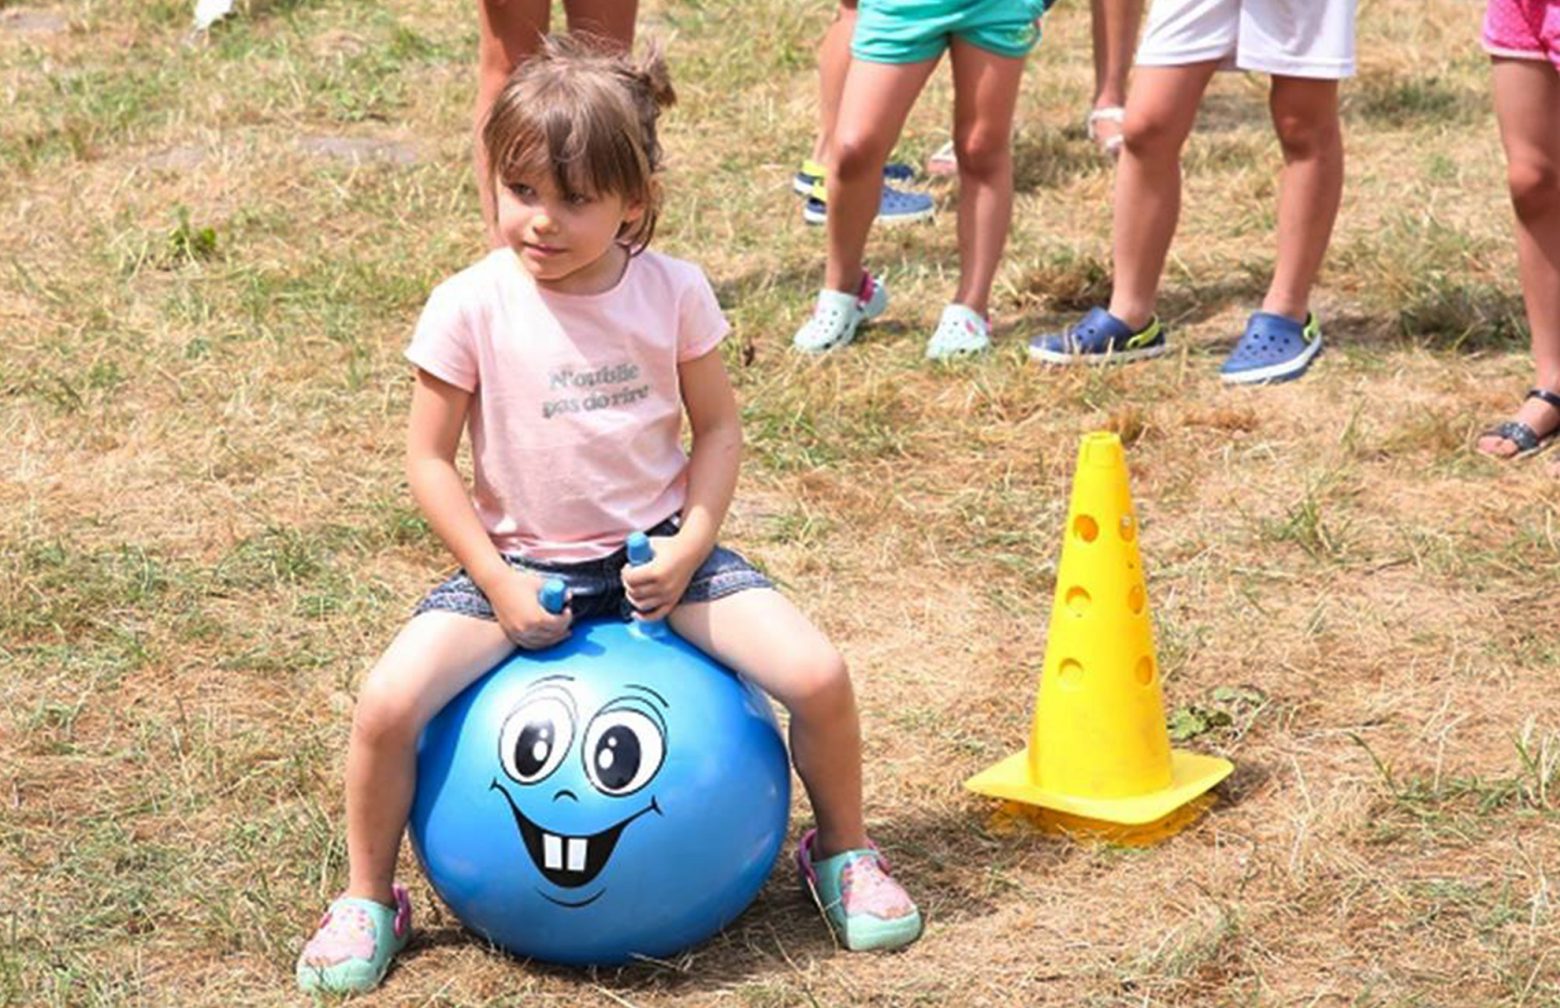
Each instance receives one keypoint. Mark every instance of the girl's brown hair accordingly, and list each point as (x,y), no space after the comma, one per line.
(585,113)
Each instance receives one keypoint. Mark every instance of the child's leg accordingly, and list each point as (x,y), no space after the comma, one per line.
(1305,116)
(833,62)
(876,99)
(985,89)
(763,636)
(1527,105)
(510,30)
(433,658)
(1161,107)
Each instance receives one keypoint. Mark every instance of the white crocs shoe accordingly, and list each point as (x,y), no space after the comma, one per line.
(959,332)
(837,314)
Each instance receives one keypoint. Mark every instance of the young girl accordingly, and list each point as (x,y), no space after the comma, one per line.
(572,144)
(896,45)
(1523,39)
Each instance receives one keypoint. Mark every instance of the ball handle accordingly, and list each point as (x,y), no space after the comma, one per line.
(639,552)
(554,593)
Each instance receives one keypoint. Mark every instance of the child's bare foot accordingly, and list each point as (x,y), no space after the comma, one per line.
(1536,424)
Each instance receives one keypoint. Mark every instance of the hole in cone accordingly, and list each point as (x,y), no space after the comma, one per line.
(1071,672)
(1128,528)
(1078,601)
(1086,528)
(1135,600)
(1144,670)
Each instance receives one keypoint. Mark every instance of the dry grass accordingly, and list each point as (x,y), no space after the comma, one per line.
(204,537)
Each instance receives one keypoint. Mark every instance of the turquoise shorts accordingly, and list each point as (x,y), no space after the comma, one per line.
(913,31)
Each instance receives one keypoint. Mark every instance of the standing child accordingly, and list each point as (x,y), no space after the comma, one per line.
(1306,46)
(572,145)
(1523,39)
(896,45)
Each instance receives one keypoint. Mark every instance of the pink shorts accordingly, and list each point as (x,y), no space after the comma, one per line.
(1523,29)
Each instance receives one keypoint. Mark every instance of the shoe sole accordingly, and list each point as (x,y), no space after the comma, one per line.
(1289,370)
(888,220)
(1115,357)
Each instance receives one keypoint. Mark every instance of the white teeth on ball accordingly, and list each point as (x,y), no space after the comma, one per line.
(576,854)
(552,851)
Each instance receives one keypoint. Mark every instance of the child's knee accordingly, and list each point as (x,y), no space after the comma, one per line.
(1535,186)
(1303,135)
(856,155)
(1150,134)
(817,681)
(983,153)
(384,715)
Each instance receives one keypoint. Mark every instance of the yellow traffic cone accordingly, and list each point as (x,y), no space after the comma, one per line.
(1099,749)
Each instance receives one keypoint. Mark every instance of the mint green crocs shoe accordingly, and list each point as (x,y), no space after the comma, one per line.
(836,316)
(863,904)
(353,946)
(959,333)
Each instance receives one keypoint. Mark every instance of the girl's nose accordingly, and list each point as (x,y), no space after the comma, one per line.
(542,222)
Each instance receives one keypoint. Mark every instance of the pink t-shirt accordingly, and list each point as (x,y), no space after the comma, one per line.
(576,413)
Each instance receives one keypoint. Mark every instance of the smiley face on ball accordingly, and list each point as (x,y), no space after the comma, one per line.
(575,777)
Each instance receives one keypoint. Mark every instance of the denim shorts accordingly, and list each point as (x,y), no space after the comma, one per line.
(596,586)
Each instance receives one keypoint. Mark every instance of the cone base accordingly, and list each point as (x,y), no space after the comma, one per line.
(1191,774)
(1010,816)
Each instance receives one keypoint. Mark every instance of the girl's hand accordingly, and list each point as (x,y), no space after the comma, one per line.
(655,588)
(526,623)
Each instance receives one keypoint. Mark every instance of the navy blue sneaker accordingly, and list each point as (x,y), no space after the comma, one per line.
(811,171)
(897,206)
(1274,348)
(1099,338)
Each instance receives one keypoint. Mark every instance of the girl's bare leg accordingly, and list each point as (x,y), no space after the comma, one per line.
(1527,106)
(760,634)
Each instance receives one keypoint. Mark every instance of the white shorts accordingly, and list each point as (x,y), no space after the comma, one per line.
(1291,38)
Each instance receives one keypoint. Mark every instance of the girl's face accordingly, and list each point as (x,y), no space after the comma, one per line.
(566,240)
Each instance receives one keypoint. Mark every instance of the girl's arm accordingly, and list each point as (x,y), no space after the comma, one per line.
(655,588)
(438,415)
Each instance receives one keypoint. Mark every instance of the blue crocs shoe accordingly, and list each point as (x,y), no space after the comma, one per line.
(895,207)
(1274,348)
(811,172)
(1099,338)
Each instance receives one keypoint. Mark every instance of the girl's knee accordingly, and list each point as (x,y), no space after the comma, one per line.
(1151,134)
(856,155)
(1535,186)
(816,679)
(1303,135)
(983,153)
(385,715)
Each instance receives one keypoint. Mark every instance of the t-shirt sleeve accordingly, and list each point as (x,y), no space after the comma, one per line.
(443,344)
(700,323)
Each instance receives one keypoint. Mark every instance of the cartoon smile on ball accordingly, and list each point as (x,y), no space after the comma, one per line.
(622,748)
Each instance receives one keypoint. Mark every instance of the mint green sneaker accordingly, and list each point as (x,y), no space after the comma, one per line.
(863,904)
(353,946)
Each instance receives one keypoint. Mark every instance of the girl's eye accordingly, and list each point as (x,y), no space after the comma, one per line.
(521,190)
(578,199)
